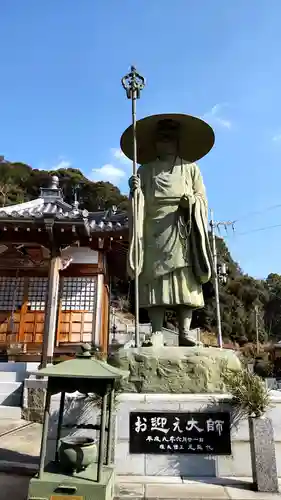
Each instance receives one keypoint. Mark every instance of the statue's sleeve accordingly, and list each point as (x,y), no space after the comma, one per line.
(199,191)
(202,257)
(138,219)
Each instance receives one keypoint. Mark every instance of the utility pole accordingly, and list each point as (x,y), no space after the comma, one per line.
(257,328)
(214,225)
(133,83)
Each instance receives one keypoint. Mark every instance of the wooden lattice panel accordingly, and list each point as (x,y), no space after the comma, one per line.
(11,293)
(33,327)
(9,327)
(37,293)
(76,326)
(78,305)
(11,298)
(79,293)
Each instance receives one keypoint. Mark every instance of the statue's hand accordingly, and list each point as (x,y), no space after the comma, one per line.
(186,201)
(134,183)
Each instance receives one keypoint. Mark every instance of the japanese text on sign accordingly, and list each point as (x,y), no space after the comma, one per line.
(180,433)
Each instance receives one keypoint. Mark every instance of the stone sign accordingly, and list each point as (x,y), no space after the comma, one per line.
(188,433)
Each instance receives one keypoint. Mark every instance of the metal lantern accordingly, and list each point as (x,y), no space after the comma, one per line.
(82,467)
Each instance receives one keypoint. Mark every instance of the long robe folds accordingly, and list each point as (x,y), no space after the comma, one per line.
(174,257)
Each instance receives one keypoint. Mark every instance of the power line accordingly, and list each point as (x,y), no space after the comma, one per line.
(246,216)
(257,230)
(258,212)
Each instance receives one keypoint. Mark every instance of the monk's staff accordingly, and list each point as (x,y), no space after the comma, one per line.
(133,83)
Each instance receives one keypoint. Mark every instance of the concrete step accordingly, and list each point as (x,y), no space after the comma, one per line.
(10,399)
(12,376)
(18,366)
(12,412)
(13,367)
(11,393)
(9,387)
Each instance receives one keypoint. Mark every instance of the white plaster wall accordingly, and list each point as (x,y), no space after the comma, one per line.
(81,255)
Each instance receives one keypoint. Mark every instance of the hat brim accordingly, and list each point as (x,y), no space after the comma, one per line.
(196,138)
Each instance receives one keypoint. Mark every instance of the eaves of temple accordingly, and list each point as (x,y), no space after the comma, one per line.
(53,224)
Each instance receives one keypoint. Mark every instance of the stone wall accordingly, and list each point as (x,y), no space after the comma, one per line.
(237,465)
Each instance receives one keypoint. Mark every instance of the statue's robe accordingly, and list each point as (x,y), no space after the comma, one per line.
(174,251)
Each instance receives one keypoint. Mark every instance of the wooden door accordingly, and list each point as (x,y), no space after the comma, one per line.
(77,309)
(75,326)
(34,311)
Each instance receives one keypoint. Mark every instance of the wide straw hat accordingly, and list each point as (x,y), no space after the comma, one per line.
(196,137)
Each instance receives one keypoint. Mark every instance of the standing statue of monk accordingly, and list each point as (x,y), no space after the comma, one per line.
(172,220)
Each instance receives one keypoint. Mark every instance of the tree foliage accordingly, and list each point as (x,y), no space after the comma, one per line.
(19,183)
(238,300)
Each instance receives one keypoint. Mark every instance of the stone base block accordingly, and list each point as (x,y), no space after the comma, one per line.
(54,484)
(263,455)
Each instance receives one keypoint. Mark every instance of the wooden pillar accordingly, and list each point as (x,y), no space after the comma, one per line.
(105,306)
(102,436)
(44,438)
(97,337)
(51,309)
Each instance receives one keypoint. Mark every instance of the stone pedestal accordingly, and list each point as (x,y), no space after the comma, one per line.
(262,447)
(175,369)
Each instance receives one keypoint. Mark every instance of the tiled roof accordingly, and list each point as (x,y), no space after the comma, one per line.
(107,221)
(40,208)
(50,204)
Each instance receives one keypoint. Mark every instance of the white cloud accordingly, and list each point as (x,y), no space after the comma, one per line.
(119,155)
(108,173)
(62,164)
(214,115)
(224,123)
(277,137)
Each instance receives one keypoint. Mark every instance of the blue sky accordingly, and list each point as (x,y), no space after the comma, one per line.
(62,102)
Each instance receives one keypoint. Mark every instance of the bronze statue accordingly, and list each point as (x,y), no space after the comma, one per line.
(172,217)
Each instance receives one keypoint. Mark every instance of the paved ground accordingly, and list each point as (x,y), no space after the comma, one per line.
(22,444)
(140,487)
(19,452)
(16,487)
(8,425)
(13,487)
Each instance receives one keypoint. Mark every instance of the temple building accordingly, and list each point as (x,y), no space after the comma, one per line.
(56,261)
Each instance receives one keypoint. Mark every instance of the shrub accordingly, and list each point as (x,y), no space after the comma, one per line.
(249,393)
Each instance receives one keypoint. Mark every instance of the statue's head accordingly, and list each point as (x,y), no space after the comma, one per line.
(167,137)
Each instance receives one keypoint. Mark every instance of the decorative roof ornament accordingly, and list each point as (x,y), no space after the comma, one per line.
(55,182)
(75,195)
(53,192)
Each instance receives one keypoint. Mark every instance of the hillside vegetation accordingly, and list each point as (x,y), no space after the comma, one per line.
(239,296)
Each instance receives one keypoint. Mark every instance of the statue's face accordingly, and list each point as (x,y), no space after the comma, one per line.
(166,142)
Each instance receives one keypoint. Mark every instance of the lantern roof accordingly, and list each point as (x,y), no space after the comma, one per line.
(84,366)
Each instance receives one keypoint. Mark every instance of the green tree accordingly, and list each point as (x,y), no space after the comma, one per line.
(272,310)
